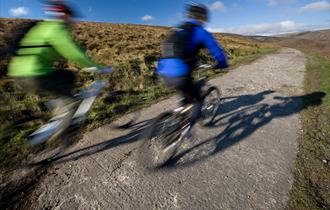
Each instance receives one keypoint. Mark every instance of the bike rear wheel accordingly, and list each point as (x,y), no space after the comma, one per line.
(161,140)
(211,105)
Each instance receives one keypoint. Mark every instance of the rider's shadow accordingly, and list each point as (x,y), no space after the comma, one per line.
(236,104)
(240,124)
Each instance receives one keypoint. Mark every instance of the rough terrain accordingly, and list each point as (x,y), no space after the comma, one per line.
(245,161)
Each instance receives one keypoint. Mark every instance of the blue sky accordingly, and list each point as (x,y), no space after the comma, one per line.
(236,16)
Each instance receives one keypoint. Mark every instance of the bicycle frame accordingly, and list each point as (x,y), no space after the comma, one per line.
(85,98)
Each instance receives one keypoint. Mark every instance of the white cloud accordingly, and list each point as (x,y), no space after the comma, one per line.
(276,2)
(19,11)
(316,6)
(147,18)
(217,6)
(287,26)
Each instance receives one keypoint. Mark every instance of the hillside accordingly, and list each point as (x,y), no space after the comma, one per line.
(322,35)
(311,41)
(114,44)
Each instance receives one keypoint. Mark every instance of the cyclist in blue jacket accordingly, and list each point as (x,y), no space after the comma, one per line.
(179,55)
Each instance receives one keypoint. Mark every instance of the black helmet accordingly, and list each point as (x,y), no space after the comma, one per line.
(197,11)
(60,7)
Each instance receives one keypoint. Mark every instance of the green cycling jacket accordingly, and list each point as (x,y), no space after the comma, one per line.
(45,43)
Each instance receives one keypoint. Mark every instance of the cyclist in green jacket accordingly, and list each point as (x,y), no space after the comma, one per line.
(43,44)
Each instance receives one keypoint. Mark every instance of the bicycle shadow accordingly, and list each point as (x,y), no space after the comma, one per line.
(242,123)
(134,135)
(232,103)
(21,183)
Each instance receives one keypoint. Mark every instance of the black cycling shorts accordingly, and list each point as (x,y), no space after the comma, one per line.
(58,83)
(185,85)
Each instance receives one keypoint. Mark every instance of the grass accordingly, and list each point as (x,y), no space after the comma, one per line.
(311,189)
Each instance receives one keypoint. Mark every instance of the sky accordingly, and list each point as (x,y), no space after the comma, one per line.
(248,17)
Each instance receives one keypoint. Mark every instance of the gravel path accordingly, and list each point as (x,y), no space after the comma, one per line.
(245,161)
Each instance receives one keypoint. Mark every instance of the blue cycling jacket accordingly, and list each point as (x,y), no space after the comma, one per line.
(176,67)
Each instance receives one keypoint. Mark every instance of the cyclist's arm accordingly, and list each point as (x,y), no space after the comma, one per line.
(66,47)
(214,48)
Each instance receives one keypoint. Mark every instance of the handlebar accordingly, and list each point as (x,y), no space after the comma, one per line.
(106,70)
(208,66)
(202,71)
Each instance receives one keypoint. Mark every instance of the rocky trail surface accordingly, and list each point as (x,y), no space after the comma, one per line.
(244,161)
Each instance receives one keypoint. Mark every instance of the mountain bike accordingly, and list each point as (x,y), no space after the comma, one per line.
(52,139)
(168,131)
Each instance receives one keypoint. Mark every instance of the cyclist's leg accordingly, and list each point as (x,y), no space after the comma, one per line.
(191,91)
(177,83)
(59,84)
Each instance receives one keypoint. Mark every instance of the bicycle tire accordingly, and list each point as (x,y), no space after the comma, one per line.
(210,108)
(162,132)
